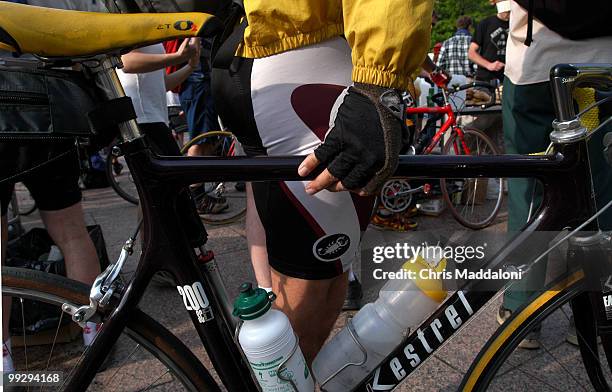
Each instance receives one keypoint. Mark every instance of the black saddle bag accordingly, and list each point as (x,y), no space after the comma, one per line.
(45,104)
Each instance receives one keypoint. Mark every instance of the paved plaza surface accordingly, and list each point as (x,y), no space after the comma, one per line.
(442,372)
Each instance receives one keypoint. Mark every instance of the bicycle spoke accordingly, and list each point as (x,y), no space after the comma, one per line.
(59,324)
(25,345)
(157,379)
(126,359)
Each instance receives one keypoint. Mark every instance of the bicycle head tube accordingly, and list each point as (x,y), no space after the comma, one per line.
(564,79)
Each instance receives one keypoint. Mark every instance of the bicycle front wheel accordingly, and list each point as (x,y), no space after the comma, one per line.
(146,356)
(502,365)
(474,202)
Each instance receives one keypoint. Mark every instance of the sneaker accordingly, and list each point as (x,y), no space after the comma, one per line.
(354,295)
(212,205)
(395,223)
(503,314)
(531,342)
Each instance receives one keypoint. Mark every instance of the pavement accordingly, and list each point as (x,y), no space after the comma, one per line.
(556,367)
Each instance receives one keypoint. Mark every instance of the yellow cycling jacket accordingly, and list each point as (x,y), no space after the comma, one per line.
(388,38)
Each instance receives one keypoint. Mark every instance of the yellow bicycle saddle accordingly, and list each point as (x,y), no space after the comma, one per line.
(51,32)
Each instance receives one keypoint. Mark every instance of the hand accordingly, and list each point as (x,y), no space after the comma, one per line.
(187,48)
(361,150)
(194,60)
(496,66)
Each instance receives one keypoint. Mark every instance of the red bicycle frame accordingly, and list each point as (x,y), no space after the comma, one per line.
(450,122)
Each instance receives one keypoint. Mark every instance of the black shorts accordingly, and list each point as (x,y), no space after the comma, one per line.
(50,172)
(283,105)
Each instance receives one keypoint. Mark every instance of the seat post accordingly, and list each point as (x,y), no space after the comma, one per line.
(106,79)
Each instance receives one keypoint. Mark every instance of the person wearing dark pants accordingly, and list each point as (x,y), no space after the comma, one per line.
(528,113)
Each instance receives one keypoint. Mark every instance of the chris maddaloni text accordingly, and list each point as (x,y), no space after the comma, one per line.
(482,274)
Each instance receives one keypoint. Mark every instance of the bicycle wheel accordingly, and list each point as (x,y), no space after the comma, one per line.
(145,344)
(474,202)
(502,366)
(120,178)
(219,203)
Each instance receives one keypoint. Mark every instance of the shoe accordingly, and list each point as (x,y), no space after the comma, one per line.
(212,205)
(240,186)
(503,314)
(395,222)
(354,295)
(531,342)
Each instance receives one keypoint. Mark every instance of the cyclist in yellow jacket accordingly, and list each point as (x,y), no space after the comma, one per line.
(321,78)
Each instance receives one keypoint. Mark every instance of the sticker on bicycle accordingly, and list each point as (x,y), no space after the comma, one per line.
(415,350)
(196,300)
(331,247)
(607,301)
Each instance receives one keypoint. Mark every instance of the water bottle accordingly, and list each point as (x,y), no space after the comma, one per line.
(268,341)
(379,327)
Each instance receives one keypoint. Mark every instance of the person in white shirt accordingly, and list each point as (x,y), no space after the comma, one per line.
(528,112)
(145,81)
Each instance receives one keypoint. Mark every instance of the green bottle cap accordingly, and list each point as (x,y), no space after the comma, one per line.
(252,302)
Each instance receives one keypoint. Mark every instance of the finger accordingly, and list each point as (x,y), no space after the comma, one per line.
(323,181)
(308,165)
(337,187)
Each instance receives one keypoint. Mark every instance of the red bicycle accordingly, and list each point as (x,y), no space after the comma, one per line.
(473,202)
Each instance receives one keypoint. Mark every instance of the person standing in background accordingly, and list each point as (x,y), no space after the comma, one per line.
(55,189)
(488,46)
(454,52)
(528,112)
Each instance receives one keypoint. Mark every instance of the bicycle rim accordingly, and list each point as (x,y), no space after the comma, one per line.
(120,178)
(473,202)
(502,365)
(168,364)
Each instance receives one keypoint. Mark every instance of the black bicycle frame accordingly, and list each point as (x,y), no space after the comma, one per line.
(161,180)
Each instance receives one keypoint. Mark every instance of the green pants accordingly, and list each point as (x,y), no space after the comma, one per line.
(527,113)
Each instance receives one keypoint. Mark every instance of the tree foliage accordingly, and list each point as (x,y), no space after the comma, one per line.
(449,10)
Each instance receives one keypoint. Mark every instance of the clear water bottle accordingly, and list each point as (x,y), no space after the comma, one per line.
(268,341)
(379,327)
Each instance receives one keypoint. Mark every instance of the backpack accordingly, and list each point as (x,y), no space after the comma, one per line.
(570,19)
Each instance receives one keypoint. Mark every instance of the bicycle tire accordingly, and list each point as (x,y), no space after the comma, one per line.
(509,335)
(125,195)
(482,223)
(141,328)
(236,213)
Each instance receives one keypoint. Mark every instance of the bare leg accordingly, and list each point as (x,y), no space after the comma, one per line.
(256,238)
(312,307)
(204,149)
(67,229)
